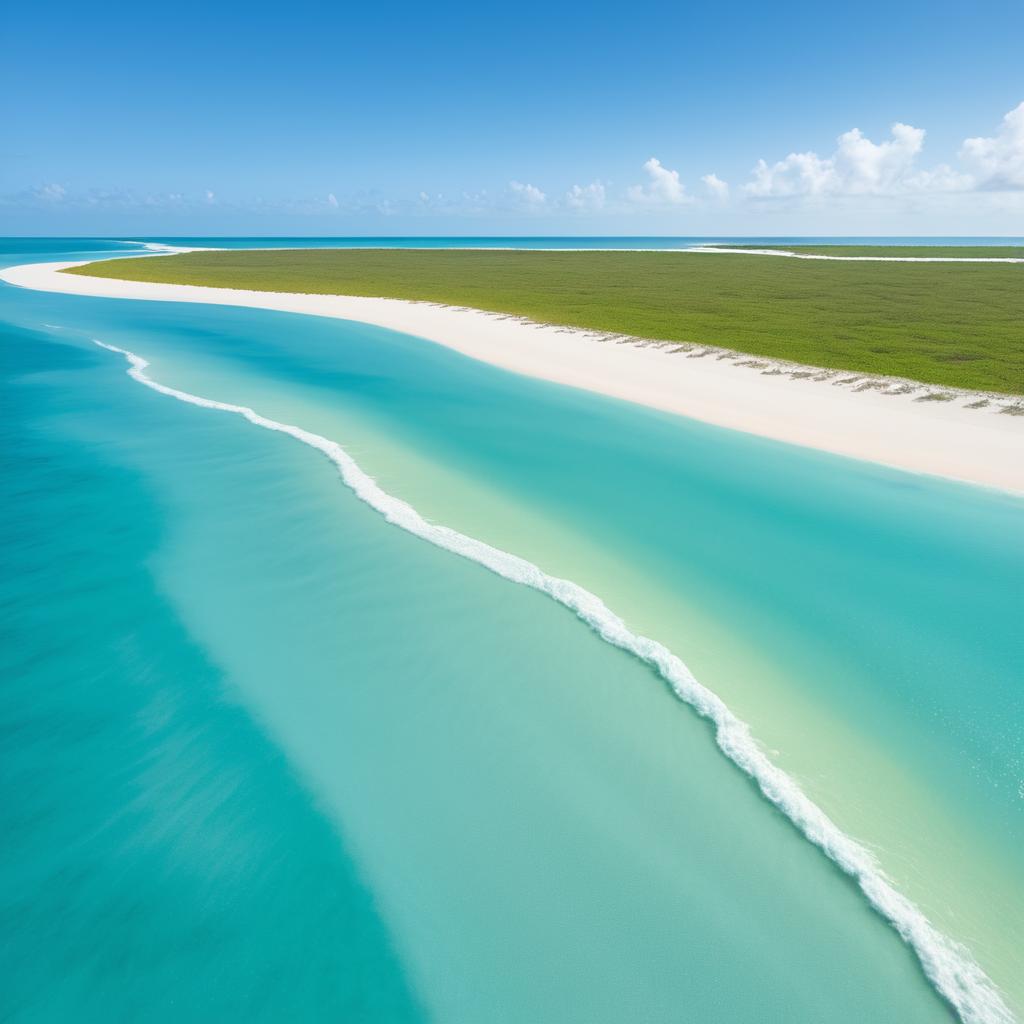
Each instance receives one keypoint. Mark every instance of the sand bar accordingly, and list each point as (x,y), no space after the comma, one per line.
(921,429)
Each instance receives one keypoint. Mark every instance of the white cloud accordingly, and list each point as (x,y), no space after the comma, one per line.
(528,194)
(988,176)
(717,188)
(857,167)
(999,159)
(664,187)
(877,168)
(798,174)
(942,178)
(586,197)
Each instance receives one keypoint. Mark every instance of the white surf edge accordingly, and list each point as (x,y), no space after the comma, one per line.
(854,259)
(946,963)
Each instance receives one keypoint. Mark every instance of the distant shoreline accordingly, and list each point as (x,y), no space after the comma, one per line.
(802,252)
(868,253)
(954,324)
(886,421)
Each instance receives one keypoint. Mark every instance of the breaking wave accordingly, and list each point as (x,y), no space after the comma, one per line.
(947,964)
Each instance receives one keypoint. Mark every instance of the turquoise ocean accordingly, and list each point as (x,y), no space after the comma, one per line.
(560,242)
(276,745)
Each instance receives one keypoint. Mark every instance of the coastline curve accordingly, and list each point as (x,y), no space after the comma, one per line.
(965,437)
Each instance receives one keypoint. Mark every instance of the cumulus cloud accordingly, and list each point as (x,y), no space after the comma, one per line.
(717,188)
(210,197)
(662,189)
(999,159)
(857,167)
(860,167)
(332,200)
(798,174)
(863,166)
(586,197)
(530,195)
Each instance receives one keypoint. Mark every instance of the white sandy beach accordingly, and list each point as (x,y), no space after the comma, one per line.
(887,423)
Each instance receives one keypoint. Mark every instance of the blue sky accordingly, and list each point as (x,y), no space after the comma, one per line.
(522,119)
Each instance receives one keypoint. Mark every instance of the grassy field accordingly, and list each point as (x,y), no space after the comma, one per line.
(945,251)
(940,323)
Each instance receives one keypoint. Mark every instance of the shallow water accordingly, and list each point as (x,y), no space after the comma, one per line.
(509,819)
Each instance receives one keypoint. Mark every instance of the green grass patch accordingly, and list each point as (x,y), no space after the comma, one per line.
(955,325)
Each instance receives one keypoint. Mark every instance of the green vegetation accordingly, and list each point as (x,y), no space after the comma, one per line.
(948,324)
(961,252)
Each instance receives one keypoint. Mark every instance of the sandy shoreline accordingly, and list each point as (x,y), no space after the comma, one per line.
(857,259)
(841,412)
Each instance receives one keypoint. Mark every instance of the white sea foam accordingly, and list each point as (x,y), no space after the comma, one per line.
(947,964)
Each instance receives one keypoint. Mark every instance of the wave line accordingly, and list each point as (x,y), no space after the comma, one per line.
(947,964)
